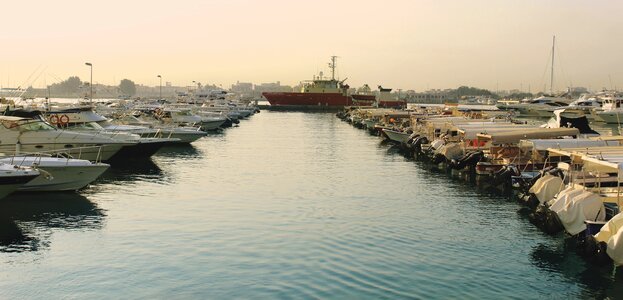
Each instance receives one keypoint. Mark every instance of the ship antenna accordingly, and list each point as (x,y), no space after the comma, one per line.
(333,65)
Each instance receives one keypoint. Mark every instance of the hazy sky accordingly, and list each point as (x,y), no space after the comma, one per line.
(400,44)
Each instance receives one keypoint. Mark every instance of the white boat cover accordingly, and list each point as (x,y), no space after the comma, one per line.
(611,234)
(540,133)
(563,198)
(578,207)
(544,144)
(451,150)
(546,187)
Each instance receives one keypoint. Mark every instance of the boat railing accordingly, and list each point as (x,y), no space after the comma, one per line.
(73,153)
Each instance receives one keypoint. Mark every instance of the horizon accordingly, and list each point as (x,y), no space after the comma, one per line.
(413,45)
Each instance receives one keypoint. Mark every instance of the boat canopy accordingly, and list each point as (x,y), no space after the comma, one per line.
(515,136)
(544,144)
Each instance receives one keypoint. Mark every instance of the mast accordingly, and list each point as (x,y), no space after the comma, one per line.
(332,65)
(551,81)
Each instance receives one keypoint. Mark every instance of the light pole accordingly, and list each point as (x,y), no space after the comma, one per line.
(91,83)
(160,87)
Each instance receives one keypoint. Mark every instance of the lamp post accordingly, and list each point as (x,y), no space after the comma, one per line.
(91,83)
(160,87)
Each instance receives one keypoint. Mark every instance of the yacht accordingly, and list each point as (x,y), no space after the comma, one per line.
(13,177)
(84,119)
(22,135)
(611,111)
(57,174)
(183,116)
(184,135)
(542,106)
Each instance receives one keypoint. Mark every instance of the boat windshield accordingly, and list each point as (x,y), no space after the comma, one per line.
(87,126)
(34,125)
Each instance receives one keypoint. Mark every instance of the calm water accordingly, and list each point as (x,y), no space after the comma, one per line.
(288,205)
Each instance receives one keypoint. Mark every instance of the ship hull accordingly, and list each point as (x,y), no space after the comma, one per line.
(392,104)
(363,100)
(308,100)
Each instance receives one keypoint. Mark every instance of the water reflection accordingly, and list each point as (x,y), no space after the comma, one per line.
(132,170)
(597,281)
(26,219)
(179,151)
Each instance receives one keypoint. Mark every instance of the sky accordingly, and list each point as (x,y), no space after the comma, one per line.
(412,44)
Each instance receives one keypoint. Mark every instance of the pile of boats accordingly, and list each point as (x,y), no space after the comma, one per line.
(66,147)
(567,175)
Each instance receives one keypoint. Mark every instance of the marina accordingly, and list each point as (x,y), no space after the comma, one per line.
(323,150)
(322,232)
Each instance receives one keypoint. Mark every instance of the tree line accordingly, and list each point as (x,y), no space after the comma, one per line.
(74,87)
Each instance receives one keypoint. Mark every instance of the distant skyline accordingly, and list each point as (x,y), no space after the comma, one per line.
(399,44)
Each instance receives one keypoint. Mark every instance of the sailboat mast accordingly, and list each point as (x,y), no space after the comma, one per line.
(551,81)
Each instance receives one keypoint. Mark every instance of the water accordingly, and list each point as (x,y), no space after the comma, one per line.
(288,205)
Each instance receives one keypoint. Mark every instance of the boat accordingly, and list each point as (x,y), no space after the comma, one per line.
(399,137)
(85,120)
(542,106)
(21,135)
(386,99)
(130,123)
(57,174)
(611,111)
(317,94)
(13,177)
(364,96)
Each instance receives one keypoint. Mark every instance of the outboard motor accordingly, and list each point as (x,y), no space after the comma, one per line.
(438,158)
(417,143)
(503,176)
(547,220)
(470,159)
(412,138)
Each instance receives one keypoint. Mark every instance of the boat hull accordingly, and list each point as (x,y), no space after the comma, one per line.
(64,178)
(397,136)
(308,100)
(10,184)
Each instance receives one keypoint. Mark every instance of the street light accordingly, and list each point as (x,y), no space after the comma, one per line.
(160,87)
(91,83)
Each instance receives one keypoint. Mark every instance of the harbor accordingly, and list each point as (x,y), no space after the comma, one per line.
(324,231)
(311,150)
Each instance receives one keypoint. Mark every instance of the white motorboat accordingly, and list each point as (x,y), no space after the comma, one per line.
(58,174)
(611,112)
(397,136)
(185,135)
(185,117)
(26,135)
(84,119)
(539,107)
(13,177)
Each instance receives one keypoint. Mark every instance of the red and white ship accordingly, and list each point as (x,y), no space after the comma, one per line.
(323,93)
(319,93)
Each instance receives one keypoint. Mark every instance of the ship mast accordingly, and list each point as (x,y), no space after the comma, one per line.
(333,65)
(551,81)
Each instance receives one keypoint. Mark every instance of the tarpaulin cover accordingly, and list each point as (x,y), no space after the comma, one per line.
(577,208)
(546,187)
(612,234)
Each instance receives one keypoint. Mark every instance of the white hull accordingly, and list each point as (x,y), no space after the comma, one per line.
(397,136)
(208,125)
(59,174)
(92,152)
(610,117)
